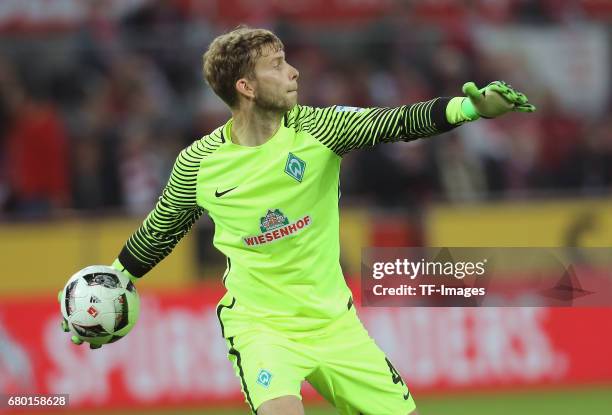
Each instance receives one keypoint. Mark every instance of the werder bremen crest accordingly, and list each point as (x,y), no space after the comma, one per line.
(272,220)
(295,167)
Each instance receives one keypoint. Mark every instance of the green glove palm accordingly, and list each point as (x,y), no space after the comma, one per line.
(493,100)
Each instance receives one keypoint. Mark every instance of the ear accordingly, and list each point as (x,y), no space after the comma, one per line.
(245,88)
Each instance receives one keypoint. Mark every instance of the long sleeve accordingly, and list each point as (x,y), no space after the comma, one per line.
(173,216)
(343,129)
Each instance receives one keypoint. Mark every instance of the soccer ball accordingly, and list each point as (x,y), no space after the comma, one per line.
(99,304)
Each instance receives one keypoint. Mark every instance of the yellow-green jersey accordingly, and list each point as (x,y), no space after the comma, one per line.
(275,207)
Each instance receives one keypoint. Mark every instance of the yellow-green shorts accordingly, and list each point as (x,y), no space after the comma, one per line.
(341,361)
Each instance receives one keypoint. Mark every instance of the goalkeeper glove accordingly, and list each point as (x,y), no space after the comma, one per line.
(493,100)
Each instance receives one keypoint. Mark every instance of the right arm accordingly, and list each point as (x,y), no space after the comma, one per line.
(174,214)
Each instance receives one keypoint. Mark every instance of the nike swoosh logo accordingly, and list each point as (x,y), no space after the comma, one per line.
(406,396)
(219,194)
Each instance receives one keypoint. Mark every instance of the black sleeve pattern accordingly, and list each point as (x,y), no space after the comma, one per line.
(174,214)
(343,129)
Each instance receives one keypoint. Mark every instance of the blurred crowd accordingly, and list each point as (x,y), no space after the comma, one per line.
(92,119)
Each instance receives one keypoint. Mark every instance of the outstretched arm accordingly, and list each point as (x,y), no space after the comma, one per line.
(343,129)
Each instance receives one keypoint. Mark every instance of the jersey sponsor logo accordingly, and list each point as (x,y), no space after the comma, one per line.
(272,220)
(219,194)
(275,225)
(295,167)
(343,108)
(264,378)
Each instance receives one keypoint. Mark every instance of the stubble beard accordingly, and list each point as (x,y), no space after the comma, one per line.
(267,102)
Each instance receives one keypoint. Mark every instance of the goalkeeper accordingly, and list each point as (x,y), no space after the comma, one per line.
(269,179)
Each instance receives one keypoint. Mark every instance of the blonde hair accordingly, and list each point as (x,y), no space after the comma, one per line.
(232,56)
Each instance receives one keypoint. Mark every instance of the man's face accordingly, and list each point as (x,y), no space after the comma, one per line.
(275,82)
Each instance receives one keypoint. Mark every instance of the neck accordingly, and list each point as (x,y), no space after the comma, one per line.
(254,126)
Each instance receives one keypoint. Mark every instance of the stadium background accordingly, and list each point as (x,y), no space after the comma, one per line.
(98,97)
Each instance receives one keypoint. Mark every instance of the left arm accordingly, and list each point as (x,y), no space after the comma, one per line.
(343,129)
